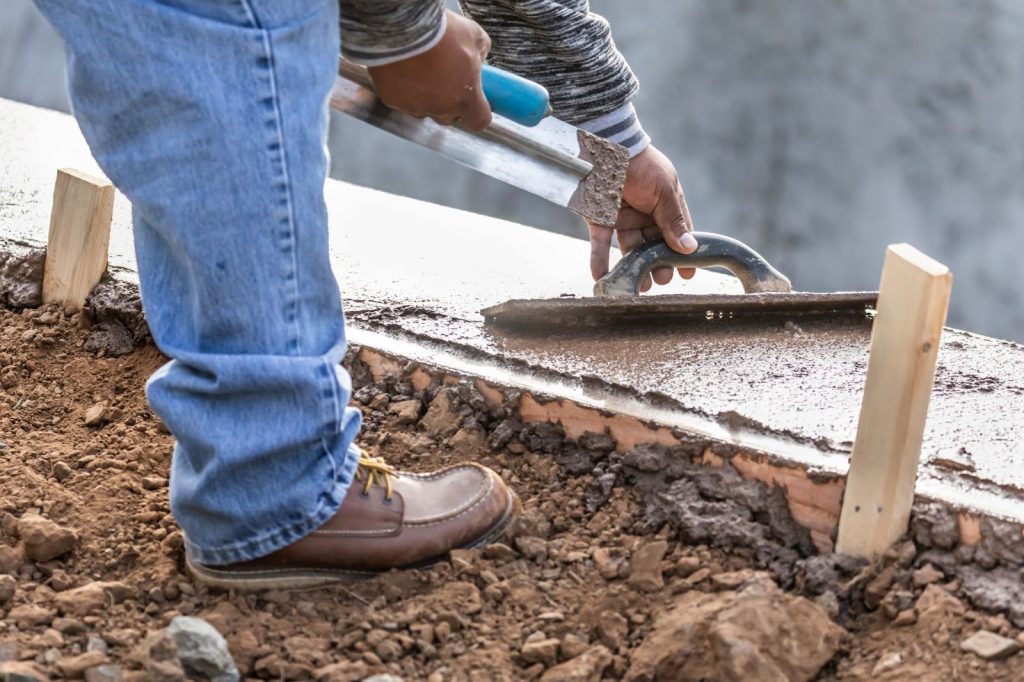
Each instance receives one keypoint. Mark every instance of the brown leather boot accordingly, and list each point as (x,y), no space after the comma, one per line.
(389,519)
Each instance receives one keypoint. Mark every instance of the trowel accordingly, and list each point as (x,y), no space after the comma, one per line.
(524,145)
(617,298)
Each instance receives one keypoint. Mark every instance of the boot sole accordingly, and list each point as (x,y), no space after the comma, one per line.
(305,578)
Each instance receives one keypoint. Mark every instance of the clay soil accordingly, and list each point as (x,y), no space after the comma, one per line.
(561,575)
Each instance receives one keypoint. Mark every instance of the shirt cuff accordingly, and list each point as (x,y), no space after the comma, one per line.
(621,126)
(417,44)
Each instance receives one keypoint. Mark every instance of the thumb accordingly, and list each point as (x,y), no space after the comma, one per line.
(600,244)
(673,219)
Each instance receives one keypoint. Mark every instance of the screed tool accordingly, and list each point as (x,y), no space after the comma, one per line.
(524,146)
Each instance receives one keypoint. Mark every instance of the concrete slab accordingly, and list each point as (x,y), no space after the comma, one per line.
(414,276)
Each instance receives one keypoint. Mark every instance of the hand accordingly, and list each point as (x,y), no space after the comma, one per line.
(443,82)
(653,206)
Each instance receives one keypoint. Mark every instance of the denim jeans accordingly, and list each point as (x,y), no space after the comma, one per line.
(211,117)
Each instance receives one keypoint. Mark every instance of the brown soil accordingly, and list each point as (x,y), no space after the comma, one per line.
(561,575)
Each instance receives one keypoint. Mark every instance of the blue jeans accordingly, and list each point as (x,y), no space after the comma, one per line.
(211,117)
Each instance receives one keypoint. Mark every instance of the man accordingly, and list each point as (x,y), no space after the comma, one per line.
(211,117)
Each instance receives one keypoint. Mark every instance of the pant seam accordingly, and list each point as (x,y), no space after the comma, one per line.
(293,306)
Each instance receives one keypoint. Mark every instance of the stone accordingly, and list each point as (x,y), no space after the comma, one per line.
(532,548)
(7,586)
(686,566)
(571,646)
(936,606)
(904,618)
(104,673)
(20,671)
(499,552)
(610,562)
(8,651)
(467,441)
(61,471)
(464,596)
(759,632)
(94,596)
(829,602)
(74,668)
(10,560)
(440,421)
(154,483)
(733,580)
(28,615)
(887,662)
(587,667)
(990,646)
(544,652)
(645,567)
(97,415)
(612,629)
(202,650)
(926,575)
(407,411)
(383,677)
(43,539)
(159,656)
(876,590)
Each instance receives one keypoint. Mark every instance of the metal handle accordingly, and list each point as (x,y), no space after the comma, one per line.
(753,271)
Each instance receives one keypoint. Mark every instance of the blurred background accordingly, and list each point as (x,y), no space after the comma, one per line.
(817,132)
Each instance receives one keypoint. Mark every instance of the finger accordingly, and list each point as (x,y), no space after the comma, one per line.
(660,276)
(631,219)
(629,240)
(600,244)
(687,273)
(476,114)
(672,216)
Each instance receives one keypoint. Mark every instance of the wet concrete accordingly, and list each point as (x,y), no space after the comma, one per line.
(415,275)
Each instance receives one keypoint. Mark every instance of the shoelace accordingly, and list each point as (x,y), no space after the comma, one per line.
(376,471)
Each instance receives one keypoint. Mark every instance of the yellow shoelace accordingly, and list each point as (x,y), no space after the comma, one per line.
(375,470)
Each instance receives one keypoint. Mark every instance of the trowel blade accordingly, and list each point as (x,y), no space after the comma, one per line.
(597,312)
(553,159)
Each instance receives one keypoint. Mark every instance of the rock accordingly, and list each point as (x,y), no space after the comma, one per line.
(407,411)
(829,602)
(499,552)
(61,472)
(467,440)
(587,667)
(886,663)
(699,577)
(645,567)
(733,580)
(612,629)
(936,606)
(384,677)
(687,566)
(10,560)
(74,668)
(28,615)
(97,415)
(904,618)
(19,671)
(464,596)
(104,673)
(610,562)
(544,651)
(44,540)
(990,646)
(8,651)
(95,596)
(571,646)
(926,575)
(154,483)
(202,650)
(532,548)
(876,590)
(440,421)
(7,586)
(159,656)
(758,633)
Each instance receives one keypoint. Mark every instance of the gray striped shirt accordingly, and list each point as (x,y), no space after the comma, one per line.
(560,44)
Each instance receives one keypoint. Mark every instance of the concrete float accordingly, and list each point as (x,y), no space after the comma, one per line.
(777,399)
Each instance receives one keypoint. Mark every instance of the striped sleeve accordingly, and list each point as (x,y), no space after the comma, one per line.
(569,50)
(377,32)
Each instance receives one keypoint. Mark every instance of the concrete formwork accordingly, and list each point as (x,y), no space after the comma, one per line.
(776,399)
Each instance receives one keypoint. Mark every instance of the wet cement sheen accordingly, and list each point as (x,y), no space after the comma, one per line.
(419,271)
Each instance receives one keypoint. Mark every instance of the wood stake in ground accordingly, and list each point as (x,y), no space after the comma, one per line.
(912,303)
(76,251)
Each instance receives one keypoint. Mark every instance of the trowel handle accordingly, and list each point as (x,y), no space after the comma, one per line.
(753,271)
(515,97)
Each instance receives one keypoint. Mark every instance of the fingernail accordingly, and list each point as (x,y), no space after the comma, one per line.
(688,241)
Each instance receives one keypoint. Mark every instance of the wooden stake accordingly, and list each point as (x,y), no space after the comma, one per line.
(76,252)
(912,303)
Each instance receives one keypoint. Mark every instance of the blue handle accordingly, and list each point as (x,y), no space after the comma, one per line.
(515,97)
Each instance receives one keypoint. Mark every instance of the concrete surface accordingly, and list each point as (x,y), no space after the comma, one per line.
(789,389)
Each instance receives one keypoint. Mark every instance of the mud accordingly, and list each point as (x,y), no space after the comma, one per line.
(599,194)
(119,325)
(21,277)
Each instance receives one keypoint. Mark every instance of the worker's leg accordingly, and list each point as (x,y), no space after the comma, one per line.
(210,115)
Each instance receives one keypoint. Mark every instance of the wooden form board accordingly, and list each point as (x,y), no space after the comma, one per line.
(76,251)
(912,303)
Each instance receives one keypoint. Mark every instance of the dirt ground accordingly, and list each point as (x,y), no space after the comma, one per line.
(585,588)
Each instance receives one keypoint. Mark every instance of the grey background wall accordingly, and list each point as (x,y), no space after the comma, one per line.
(817,132)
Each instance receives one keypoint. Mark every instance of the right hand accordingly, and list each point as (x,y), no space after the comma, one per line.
(443,82)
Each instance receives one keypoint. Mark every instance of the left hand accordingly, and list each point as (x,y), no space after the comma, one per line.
(653,206)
